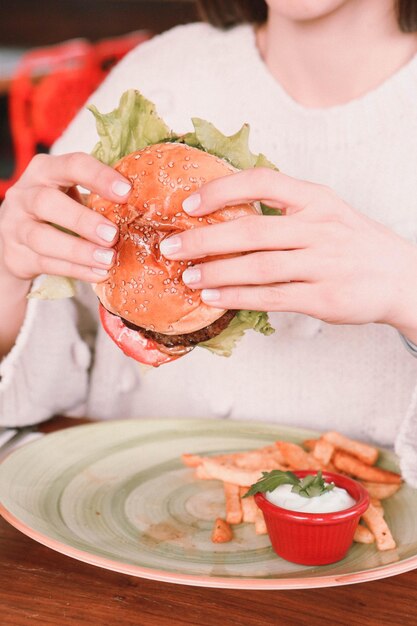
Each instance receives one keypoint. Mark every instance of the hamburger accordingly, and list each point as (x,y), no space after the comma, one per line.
(145,306)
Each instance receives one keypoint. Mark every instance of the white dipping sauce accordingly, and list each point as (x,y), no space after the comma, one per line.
(335,500)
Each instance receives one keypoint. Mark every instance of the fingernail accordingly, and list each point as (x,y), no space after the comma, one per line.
(103,256)
(191,275)
(210,295)
(192,203)
(170,245)
(99,271)
(106,232)
(121,188)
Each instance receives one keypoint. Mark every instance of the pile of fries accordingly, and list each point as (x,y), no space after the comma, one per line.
(332,452)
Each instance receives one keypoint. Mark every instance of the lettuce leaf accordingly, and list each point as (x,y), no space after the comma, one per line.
(54,288)
(223,344)
(232,148)
(132,126)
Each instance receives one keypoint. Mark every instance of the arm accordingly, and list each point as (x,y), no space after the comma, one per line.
(45,362)
(13,303)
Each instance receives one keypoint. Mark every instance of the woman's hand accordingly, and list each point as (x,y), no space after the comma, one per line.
(321,258)
(46,194)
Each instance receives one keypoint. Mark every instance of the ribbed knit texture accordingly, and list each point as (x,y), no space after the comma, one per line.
(357,379)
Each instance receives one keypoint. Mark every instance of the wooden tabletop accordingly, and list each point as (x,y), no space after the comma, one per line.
(40,586)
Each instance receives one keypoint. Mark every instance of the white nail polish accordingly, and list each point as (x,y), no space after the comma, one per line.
(120,188)
(191,275)
(99,271)
(106,232)
(192,203)
(210,295)
(103,256)
(171,245)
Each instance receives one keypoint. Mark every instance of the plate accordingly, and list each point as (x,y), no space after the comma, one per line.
(115,494)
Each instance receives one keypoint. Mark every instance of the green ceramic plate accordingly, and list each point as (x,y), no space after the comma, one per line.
(116,495)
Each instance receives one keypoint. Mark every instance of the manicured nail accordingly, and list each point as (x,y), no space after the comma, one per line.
(101,255)
(192,203)
(99,271)
(121,188)
(170,245)
(210,295)
(191,275)
(106,232)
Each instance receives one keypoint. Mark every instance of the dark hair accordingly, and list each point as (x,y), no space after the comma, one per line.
(225,13)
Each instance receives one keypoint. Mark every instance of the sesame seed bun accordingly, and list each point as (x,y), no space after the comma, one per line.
(144,287)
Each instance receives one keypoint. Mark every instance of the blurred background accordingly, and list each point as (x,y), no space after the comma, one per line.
(57,52)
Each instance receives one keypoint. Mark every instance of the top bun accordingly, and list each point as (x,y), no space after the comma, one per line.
(144,287)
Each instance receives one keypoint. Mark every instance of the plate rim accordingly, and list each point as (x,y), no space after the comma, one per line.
(195,580)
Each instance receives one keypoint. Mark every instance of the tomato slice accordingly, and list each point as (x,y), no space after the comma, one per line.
(132,342)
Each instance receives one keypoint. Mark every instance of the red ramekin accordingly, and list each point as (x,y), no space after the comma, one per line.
(314,538)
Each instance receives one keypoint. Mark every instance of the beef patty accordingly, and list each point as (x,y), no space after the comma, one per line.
(189,339)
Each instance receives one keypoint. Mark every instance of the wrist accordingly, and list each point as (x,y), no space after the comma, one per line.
(403,314)
(11,286)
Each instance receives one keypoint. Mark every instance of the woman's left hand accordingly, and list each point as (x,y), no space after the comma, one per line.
(321,257)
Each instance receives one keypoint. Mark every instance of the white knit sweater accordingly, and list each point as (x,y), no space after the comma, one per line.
(357,379)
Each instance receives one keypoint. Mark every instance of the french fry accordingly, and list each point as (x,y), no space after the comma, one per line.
(380,490)
(222,532)
(374,519)
(258,460)
(351,465)
(364,452)
(310,444)
(231,473)
(233,503)
(323,451)
(260,526)
(363,535)
(202,473)
(191,460)
(296,457)
(249,508)
(378,505)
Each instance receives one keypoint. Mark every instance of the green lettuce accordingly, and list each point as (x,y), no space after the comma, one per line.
(132,126)
(54,288)
(224,343)
(233,148)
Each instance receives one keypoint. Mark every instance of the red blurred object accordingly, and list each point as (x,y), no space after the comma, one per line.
(51,85)
(314,538)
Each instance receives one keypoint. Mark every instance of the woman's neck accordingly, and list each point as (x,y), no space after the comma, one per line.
(338,57)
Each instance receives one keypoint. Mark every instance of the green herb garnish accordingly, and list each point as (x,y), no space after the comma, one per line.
(310,486)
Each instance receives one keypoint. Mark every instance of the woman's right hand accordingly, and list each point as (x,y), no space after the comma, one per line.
(46,194)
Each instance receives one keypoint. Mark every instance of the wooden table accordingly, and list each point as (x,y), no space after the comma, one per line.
(40,586)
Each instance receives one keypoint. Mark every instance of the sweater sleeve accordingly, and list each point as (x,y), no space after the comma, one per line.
(46,372)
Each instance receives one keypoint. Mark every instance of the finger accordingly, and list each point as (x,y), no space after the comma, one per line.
(49,242)
(51,205)
(246,234)
(58,267)
(275,189)
(288,297)
(76,168)
(259,268)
